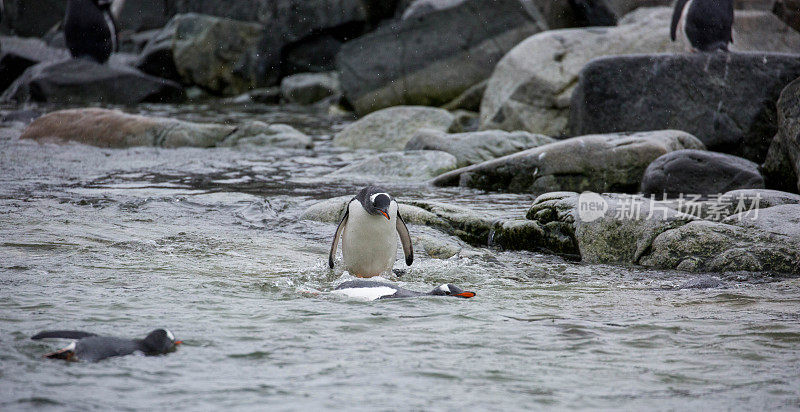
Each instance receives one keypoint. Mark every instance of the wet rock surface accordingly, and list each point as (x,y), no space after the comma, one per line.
(727,100)
(84,81)
(415,165)
(602,163)
(476,147)
(782,163)
(392,128)
(699,172)
(416,61)
(115,129)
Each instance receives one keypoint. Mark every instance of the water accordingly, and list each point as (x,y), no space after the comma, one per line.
(207,243)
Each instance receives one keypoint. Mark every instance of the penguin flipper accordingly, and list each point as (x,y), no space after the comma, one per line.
(405,239)
(62,334)
(676,18)
(339,230)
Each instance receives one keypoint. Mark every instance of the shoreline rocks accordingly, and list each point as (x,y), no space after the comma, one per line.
(727,100)
(699,172)
(115,129)
(476,147)
(390,129)
(414,165)
(601,163)
(432,58)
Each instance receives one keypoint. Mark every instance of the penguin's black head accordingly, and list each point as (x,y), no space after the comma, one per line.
(450,289)
(159,341)
(375,200)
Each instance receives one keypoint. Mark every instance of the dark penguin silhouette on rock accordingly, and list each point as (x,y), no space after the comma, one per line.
(706,24)
(90,30)
(367,230)
(92,348)
(372,290)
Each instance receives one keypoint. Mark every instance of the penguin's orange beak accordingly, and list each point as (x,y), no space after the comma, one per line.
(178,342)
(383,212)
(465,294)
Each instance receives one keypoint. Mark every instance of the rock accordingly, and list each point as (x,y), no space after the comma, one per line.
(141,15)
(157,58)
(469,100)
(420,8)
(600,163)
(113,128)
(32,18)
(699,172)
(84,81)
(433,58)
(718,207)
(434,247)
(633,230)
(782,163)
(702,282)
(704,246)
(463,122)
(17,54)
(728,104)
(220,55)
(476,147)
(789,12)
(257,133)
(560,14)
(780,220)
(767,33)
(392,128)
(315,53)
(266,95)
(293,24)
(415,165)
(309,88)
(532,86)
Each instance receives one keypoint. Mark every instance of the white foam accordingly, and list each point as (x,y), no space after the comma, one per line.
(366,293)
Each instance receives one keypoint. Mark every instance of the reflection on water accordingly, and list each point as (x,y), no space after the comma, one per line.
(207,242)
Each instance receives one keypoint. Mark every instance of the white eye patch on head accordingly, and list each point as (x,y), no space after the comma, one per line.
(372,198)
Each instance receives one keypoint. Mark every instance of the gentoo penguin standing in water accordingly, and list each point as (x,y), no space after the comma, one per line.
(706,24)
(369,242)
(91,348)
(90,30)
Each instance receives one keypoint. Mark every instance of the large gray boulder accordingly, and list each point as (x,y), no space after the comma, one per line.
(415,165)
(220,55)
(476,147)
(32,18)
(141,15)
(431,59)
(699,172)
(84,81)
(782,163)
(727,100)
(309,88)
(531,87)
(115,129)
(17,54)
(390,129)
(634,230)
(601,163)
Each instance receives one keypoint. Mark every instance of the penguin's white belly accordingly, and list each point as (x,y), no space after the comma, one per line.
(681,30)
(369,243)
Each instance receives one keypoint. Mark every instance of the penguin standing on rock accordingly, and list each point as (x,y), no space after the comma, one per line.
(90,30)
(89,347)
(367,230)
(706,24)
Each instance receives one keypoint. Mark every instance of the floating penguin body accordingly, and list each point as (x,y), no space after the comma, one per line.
(369,232)
(92,348)
(90,30)
(371,290)
(707,25)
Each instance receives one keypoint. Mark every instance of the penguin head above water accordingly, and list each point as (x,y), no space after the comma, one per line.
(449,289)
(159,341)
(375,200)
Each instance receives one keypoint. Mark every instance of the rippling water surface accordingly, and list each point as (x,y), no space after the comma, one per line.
(207,242)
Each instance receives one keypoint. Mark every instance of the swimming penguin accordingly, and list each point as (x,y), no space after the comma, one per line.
(371,290)
(367,229)
(90,30)
(706,24)
(92,348)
